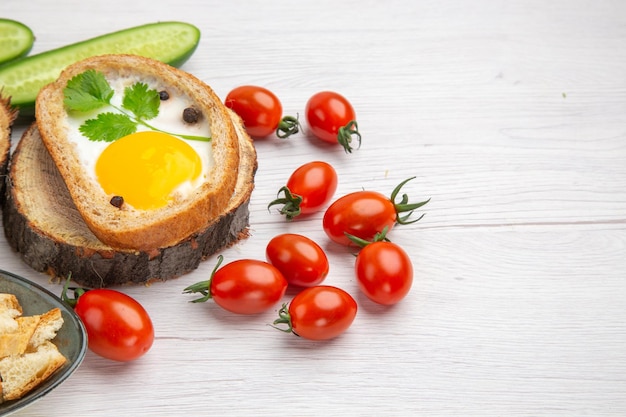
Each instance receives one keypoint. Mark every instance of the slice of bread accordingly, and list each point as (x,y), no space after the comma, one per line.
(10,303)
(42,224)
(7,117)
(16,342)
(126,227)
(48,325)
(21,373)
(10,309)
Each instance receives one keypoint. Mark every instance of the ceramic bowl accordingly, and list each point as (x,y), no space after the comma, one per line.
(71,338)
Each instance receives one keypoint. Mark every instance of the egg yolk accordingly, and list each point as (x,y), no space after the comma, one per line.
(144,168)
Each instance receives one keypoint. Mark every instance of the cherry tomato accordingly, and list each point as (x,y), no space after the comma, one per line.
(318,313)
(309,188)
(259,108)
(244,286)
(332,119)
(384,272)
(365,213)
(362,214)
(301,260)
(117,326)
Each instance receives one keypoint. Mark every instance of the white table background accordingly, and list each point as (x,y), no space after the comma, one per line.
(512,115)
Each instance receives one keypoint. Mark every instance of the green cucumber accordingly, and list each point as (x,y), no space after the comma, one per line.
(169,42)
(16,40)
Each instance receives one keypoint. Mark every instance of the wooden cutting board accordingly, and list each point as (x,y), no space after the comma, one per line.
(42,224)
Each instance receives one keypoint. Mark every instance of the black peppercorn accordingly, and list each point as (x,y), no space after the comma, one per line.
(117,201)
(191,115)
(164,95)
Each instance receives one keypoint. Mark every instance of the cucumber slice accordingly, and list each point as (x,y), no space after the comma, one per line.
(169,42)
(16,40)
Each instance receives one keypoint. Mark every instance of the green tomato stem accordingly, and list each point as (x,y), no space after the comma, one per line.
(403,205)
(291,203)
(345,133)
(288,126)
(378,237)
(283,318)
(77,292)
(204,287)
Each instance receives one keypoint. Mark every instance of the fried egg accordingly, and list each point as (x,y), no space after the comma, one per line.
(148,168)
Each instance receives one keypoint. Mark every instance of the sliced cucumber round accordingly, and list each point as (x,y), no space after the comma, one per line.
(16,40)
(169,42)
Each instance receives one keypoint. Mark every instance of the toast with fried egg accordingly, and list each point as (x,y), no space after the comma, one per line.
(42,224)
(103,189)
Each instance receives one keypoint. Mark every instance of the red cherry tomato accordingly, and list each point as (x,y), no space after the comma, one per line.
(117,326)
(259,108)
(362,214)
(244,286)
(332,119)
(315,182)
(318,313)
(365,213)
(384,272)
(301,260)
(309,188)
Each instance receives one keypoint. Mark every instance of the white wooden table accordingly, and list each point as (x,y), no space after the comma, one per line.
(512,115)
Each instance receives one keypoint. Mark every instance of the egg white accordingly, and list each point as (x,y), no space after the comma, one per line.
(169,120)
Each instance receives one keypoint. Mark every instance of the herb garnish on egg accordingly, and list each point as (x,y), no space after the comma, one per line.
(90,91)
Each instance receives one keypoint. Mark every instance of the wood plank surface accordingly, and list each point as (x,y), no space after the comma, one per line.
(511,116)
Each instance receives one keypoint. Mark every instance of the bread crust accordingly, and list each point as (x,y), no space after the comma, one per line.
(131,229)
(7,117)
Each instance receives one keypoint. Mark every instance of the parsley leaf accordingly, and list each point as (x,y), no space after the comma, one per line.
(87,91)
(108,127)
(90,91)
(140,100)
